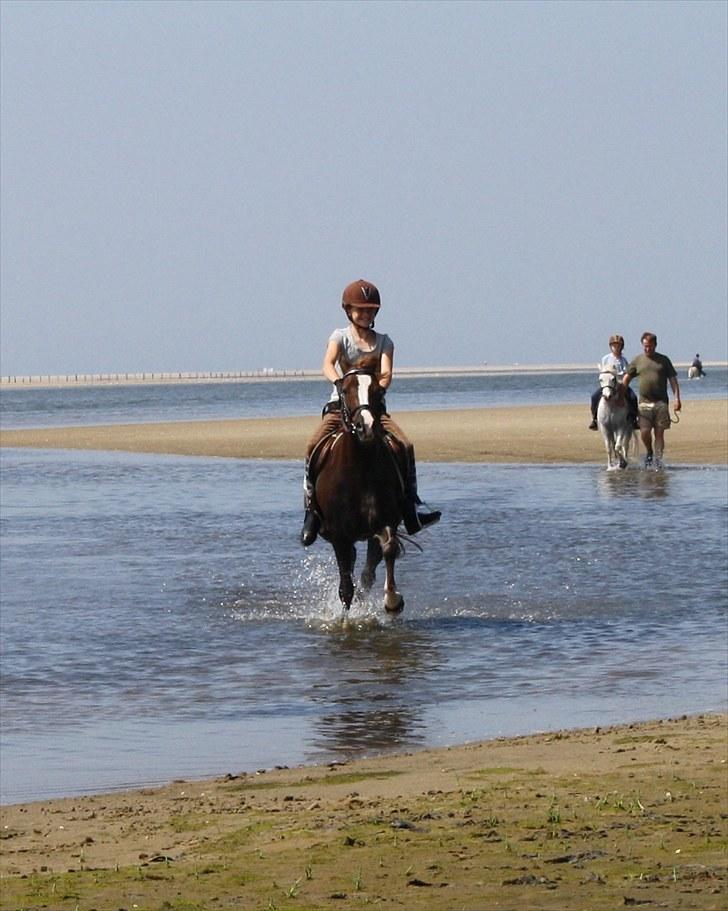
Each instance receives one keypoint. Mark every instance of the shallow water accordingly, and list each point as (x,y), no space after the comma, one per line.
(43,407)
(159,618)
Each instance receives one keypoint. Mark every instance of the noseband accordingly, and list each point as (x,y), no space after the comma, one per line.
(348,416)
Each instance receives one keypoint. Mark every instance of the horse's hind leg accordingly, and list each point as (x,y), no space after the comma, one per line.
(345,557)
(374,556)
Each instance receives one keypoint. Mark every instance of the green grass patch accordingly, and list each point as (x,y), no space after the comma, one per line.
(308,782)
(188,822)
(494,770)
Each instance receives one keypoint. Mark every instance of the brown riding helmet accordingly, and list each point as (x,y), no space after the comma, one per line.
(616,340)
(360,293)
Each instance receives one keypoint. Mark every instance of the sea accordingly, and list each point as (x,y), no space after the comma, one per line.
(159,619)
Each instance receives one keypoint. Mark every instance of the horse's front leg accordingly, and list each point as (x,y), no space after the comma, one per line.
(374,557)
(345,558)
(609,446)
(393,600)
(621,449)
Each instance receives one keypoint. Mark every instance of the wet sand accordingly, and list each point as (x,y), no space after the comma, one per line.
(597,819)
(548,433)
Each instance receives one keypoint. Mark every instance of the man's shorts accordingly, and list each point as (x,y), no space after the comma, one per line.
(655,414)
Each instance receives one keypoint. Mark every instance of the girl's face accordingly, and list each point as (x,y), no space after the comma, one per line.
(362,317)
(616,349)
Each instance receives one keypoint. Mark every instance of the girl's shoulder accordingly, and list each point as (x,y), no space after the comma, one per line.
(338,335)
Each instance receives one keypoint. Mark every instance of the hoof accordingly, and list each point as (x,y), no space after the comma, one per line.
(394,604)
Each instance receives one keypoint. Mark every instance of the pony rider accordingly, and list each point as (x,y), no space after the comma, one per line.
(358,346)
(616,361)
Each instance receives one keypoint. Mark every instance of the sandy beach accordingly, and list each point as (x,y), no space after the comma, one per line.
(529,434)
(586,819)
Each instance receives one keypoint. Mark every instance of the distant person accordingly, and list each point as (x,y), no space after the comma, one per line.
(654,371)
(698,365)
(359,346)
(618,361)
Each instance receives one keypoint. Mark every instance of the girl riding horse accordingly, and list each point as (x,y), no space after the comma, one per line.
(358,346)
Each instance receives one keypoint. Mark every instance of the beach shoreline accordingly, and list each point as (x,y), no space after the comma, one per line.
(270,374)
(597,817)
(526,434)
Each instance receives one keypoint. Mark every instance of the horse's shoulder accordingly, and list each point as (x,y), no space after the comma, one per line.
(323,450)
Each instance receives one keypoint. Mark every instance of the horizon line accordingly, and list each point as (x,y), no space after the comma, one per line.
(9,381)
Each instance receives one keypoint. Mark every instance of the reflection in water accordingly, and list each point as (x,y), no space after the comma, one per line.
(370,703)
(647,485)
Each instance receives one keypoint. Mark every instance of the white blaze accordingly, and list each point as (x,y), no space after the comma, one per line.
(364,384)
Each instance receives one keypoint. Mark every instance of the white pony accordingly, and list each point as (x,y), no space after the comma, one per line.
(695,373)
(613,420)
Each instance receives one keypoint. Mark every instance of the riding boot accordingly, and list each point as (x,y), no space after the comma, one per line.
(311,521)
(415,521)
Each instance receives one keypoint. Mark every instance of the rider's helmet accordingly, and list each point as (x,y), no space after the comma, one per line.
(616,340)
(362,294)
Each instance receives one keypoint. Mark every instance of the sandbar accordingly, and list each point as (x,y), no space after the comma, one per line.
(524,434)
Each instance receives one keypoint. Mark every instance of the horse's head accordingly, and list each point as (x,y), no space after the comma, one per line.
(608,382)
(361,403)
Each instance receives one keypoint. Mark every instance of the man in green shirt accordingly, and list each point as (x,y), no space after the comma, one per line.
(654,371)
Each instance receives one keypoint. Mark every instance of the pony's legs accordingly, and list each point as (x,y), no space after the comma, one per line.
(624,438)
(608,437)
(393,600)
(345,557)
(374,556)
(388,547)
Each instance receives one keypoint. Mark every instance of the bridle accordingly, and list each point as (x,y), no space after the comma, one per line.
(611,385)
(349,416)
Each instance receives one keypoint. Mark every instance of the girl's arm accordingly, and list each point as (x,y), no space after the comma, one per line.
(386,364)
(331,358)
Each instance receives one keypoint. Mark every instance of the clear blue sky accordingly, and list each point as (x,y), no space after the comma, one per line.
(189,186)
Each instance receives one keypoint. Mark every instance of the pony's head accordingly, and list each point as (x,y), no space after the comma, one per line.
(608,382)
(361,399)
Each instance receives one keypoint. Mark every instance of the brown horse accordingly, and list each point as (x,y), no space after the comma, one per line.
(359,488)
